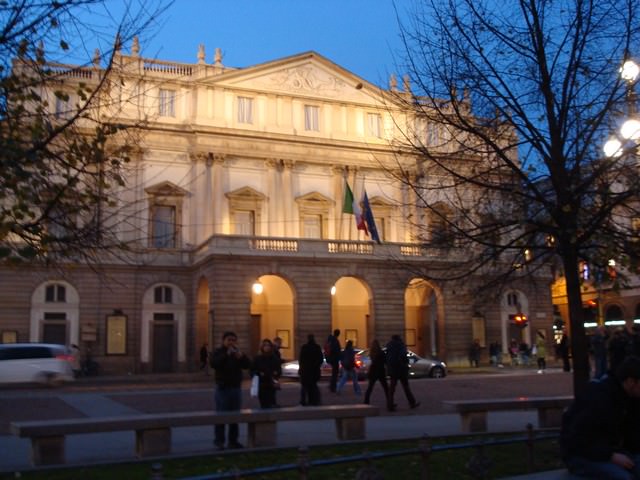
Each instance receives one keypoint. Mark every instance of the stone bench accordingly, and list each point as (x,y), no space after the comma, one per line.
(473,413)
(153,431)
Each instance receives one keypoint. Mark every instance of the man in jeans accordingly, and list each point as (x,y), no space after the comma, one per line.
(228,362)
(333,357)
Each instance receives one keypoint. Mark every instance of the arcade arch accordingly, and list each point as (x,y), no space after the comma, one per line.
(423,313)
(203,307)
(272,314)
(351,311)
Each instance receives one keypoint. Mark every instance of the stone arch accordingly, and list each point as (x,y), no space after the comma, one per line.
(163,319)
(273,313)
(57,312)
(351,311)
(614,314)
(424,318)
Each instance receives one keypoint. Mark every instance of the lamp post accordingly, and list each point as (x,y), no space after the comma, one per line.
(628,136)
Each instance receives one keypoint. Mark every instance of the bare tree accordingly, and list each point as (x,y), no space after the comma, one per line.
(62,153)
(514,101)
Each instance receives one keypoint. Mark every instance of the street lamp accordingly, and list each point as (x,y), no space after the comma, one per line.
(630,130)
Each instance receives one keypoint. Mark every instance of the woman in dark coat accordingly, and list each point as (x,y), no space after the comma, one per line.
(377,372)
(267,366)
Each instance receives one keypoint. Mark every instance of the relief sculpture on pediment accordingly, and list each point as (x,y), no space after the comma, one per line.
(306,79)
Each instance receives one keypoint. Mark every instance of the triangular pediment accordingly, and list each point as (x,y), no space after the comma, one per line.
(379,201)
(165,189)
(245,193)
(315,198)
(305,75)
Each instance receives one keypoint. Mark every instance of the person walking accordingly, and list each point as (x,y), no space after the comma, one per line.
(333,352)
(474,353)
(377,373)
(398,367)
(310,362)
(349,370)
(266,365)
(228,362)
(541,352)
(562,351)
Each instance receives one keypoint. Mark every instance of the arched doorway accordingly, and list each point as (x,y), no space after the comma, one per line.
(515,303)
(351,311)
(272,307)
(421,313)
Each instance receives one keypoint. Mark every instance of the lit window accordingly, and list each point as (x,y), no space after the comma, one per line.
(311,118)
(167,103)
(163,295)
(245,110)
(374,123)
(244,222)
(163,226)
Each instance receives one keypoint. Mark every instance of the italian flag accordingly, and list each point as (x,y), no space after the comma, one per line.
(350,205)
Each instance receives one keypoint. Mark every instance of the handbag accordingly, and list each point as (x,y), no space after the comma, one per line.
(255,384)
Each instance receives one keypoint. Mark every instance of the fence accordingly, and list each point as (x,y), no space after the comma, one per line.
(478,466)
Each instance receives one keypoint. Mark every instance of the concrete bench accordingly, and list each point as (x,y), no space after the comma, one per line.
(153,431)
(473,413)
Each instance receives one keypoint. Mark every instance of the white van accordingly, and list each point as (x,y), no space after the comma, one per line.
(35,362)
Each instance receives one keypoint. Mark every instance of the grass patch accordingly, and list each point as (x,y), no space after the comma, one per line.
(503,460)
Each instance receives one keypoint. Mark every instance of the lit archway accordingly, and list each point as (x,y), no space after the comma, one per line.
(423,314)
(351,311)
(203,327)
(272,312)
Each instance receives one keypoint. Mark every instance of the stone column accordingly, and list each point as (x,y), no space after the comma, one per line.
(273,220)
(290,228)
(219,200)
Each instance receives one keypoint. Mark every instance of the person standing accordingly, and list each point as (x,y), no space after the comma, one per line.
(204,358)
(398,367)
(599,429)
(541,352)
(310,362)
(377,373)
(349,370)
(228,362)
(474,353)
(266,365)
(333,352)
(562,351)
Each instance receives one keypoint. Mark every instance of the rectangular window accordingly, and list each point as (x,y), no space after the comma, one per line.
(167,103)
(244,222)
(312,226)
(245,110)
(311,118)
(374,122)
(55,293)
(163,226)
(116,335)
(63,109)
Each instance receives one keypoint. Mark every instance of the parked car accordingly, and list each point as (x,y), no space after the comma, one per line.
(418,366)
(35,362)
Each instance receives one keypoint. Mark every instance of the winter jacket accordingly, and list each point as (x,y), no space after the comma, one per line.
(228,368)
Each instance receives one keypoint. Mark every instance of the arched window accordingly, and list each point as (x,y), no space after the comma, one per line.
(613,313)
(163,294)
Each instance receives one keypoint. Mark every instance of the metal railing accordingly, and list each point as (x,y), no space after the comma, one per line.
(478,466)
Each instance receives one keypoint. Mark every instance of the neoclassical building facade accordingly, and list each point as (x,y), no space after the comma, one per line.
(234,211)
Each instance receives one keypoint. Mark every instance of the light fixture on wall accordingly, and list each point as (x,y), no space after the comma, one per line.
(333,290)
(257,287)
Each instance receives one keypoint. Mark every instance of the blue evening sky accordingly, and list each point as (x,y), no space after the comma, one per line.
(362,36)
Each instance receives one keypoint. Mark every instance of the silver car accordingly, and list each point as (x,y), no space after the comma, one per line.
(418,366)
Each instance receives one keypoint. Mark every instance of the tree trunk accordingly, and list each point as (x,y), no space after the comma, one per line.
(579,345)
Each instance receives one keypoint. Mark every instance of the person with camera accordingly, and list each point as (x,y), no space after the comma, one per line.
(228,362)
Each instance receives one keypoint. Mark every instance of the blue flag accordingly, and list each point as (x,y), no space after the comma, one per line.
(368,218)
